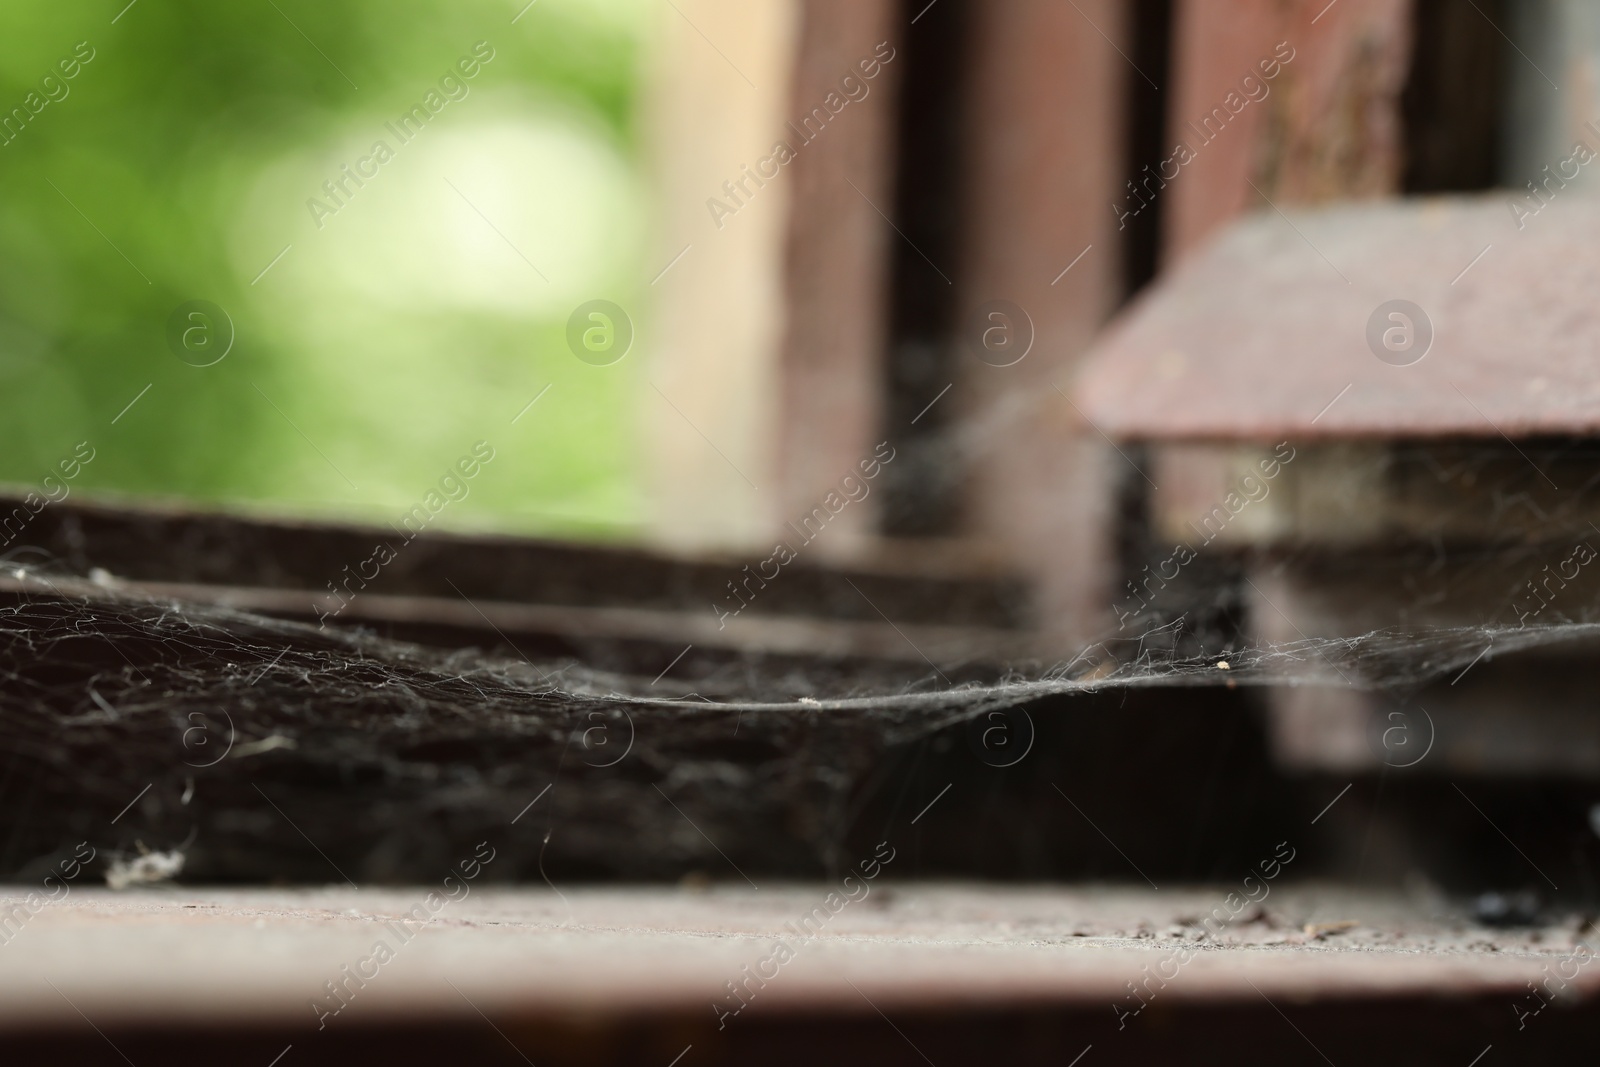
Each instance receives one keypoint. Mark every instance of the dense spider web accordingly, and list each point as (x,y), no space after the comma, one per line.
(241,738)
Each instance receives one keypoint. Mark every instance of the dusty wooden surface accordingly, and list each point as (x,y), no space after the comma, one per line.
(261,956)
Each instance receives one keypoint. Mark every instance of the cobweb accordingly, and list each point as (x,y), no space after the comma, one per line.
(154,723)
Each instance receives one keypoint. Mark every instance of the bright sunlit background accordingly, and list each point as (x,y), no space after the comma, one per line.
(416,317)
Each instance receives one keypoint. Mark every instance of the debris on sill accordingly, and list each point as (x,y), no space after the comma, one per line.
(1318,931)
(147,868)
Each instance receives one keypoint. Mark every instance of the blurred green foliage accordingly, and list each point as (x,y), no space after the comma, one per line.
(180,160)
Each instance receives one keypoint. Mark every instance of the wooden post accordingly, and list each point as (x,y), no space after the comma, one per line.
(1045,135)
(831,373)
(774,161)
(1560,42)
(1328,126)
(720,96)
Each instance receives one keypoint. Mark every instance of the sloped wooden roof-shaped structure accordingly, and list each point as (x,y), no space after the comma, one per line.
(1274,329)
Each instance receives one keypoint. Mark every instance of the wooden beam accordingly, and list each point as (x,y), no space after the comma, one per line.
(831,375)
(1327,126)
(1045,147)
